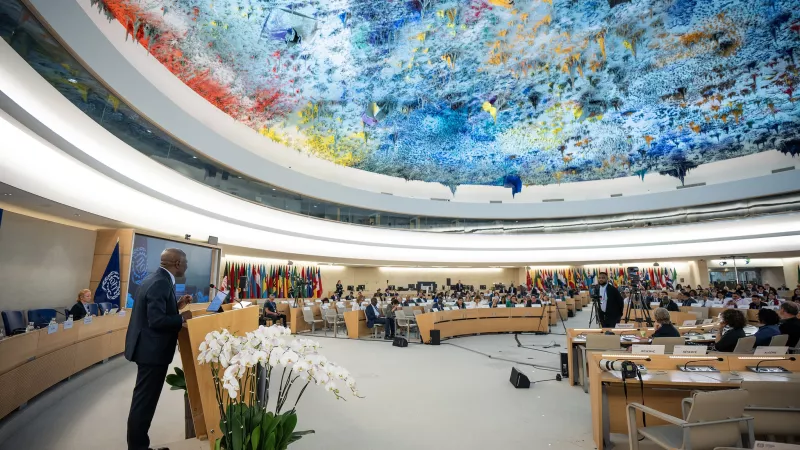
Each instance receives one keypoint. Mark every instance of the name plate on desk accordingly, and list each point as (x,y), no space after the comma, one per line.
(775,446)
(686,350)
(771,351)
(624,326)
(52,328)
(519,305)
(484,306)
(122,313)
(689,323)
(68,324)
(536,306)
(87,320)
(638,349)
(708,321)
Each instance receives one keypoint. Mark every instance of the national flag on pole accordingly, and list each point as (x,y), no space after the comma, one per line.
(319,283)
(110,286)
(528,280)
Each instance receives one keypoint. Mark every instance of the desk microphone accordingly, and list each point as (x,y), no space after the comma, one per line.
(699,360)
(791,358)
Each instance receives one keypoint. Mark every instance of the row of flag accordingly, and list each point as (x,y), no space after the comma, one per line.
(280,281)
(582,278)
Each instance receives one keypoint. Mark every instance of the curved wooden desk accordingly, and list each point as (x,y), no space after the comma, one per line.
(463,322)
(32,362)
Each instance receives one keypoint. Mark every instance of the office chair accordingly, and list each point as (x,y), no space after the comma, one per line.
(14,322)
(94,309)
(41,317)
(105,307)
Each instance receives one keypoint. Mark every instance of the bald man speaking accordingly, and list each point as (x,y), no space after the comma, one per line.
(151,339)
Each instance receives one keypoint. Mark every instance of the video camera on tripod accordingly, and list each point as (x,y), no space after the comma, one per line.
(636,301)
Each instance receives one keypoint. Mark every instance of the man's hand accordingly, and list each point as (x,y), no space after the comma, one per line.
(183,301)
(186,315)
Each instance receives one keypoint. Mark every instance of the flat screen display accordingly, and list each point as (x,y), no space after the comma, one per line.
(146,259)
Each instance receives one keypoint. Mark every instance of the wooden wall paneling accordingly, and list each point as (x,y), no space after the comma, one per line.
(91,351)
(17,350)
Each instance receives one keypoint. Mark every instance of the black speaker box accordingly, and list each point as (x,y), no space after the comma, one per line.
(519,380)
(435,337)
(564,365)
(400,341)
(448,281)
(213,240)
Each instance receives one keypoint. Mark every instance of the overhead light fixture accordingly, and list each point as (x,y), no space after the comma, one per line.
(723,263)
(77,215)
(655,264)
(195,157)
(6,194)
(72,80)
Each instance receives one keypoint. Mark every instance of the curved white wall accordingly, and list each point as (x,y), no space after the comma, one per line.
(177,205)
(153,90)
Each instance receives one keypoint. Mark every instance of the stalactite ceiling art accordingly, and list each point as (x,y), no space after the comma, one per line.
(475,91)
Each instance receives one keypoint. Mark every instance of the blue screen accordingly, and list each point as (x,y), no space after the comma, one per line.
(146,259)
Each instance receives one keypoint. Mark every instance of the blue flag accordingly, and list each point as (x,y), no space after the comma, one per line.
(109,288)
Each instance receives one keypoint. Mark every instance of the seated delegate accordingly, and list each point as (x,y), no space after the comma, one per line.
(81,308)
(374,316)
(663,325)
(756,302)
(790,324)
(734,319)
(769,321)
(271,311)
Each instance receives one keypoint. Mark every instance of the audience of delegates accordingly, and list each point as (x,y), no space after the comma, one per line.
(790,324)
(736,321)
(81,307)
(460,303)
(769,321)
(663,324)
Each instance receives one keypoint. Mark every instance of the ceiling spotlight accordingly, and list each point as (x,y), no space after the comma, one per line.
(723,263)
(72,80)
(6,194)
(194,157)
(655,264)
(77,215)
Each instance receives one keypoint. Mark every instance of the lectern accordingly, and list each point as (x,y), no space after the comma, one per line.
(199,382)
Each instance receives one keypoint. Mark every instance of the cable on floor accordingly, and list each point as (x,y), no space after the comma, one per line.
(538,366)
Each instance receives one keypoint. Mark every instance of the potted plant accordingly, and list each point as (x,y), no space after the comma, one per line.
(177,382)
(246,422)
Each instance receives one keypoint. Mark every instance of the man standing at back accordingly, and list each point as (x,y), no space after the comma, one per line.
(151,339)
(610,302)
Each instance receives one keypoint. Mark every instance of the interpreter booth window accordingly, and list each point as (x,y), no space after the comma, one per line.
(146,259)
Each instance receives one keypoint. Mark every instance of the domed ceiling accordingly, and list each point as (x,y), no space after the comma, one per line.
(491,92)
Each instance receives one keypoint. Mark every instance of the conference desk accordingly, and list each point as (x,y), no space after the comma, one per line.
(576,343)
(664,387)
(462,322)
(32,362)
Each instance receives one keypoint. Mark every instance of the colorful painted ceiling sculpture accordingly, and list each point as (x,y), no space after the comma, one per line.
(476,91)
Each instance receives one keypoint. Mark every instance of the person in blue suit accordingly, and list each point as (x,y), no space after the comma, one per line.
(374,316)
(438,304)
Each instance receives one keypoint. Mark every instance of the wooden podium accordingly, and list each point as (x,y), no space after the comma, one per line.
(199,382)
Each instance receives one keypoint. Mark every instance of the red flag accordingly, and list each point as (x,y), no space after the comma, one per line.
(528,281)
(319,283)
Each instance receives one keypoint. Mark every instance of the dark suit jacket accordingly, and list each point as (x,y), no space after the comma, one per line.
(78,311)
(673,307)
(614,303)
(371,316)
(155,322)
(459,287)
(792,328)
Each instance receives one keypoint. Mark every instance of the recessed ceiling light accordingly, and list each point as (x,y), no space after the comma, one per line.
(195,157)
(239,178)
(77,215)
(315,206)
(149,131)
(6,194)
(72,80)
(273,189)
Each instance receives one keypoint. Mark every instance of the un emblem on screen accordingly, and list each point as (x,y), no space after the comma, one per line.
(111,285)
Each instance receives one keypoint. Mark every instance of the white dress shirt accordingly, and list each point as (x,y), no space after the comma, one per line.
(377,311)
(171,276)
(603,298)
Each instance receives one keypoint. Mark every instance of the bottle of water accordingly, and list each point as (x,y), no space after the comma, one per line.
(30,327)
(2,334)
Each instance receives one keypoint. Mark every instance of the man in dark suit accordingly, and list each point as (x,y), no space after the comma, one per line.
(459,286)
(511,289)
(611,304)
(151,339)
(374,316)
(790,324)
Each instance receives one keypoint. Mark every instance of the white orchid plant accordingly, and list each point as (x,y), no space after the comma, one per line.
(235,360)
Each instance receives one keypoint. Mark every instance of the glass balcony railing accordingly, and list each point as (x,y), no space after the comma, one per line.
(32,41)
